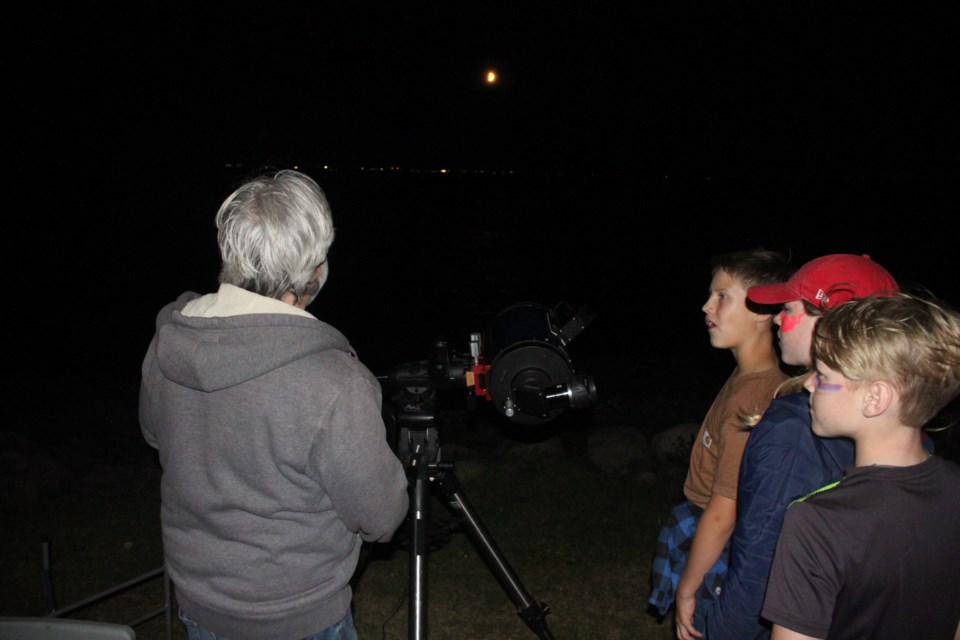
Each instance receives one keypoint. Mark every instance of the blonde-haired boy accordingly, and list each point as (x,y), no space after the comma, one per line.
(877,555)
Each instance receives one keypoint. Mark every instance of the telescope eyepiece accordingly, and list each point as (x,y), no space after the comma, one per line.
(578,392)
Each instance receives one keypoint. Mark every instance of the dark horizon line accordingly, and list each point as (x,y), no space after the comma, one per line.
(454,169)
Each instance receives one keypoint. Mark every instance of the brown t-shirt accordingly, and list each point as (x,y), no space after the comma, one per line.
(718,449)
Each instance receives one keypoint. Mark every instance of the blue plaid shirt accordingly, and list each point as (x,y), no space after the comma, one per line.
(673,548)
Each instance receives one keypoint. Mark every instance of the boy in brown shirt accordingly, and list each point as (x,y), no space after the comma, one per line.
(689,563)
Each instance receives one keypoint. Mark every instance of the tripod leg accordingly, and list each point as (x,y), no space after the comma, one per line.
(530,611)
(417,566)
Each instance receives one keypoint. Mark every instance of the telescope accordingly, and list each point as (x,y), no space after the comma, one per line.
(530,378)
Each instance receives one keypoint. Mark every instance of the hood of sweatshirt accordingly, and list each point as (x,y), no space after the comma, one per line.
(209,354)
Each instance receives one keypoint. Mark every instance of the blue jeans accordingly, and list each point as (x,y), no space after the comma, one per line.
(343,630)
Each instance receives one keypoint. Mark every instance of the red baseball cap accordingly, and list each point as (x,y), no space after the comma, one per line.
(829,281)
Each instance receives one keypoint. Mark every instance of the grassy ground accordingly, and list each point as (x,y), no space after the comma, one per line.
(578,539)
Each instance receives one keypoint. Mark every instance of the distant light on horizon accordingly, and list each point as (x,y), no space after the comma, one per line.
(491,77)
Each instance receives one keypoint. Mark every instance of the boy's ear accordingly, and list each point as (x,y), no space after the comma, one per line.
(880,394)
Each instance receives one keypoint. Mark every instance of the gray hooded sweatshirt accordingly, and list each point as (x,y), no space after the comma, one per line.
(275,463)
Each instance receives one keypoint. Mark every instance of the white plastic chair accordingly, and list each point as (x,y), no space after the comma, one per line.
(62,629)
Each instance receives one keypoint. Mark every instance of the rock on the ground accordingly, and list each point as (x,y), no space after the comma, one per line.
(615,448)
(672,446)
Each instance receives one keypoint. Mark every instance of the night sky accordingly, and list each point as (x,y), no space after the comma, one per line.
(652,87)
(120,114)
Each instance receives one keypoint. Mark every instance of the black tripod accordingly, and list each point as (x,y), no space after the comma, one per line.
(419,449)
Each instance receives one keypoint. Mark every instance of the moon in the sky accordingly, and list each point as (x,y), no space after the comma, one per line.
(491,77)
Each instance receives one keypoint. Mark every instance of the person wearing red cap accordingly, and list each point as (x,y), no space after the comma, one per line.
(692,546)
(783,459)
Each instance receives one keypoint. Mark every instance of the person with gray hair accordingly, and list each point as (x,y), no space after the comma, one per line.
(274,234)
(276,466)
